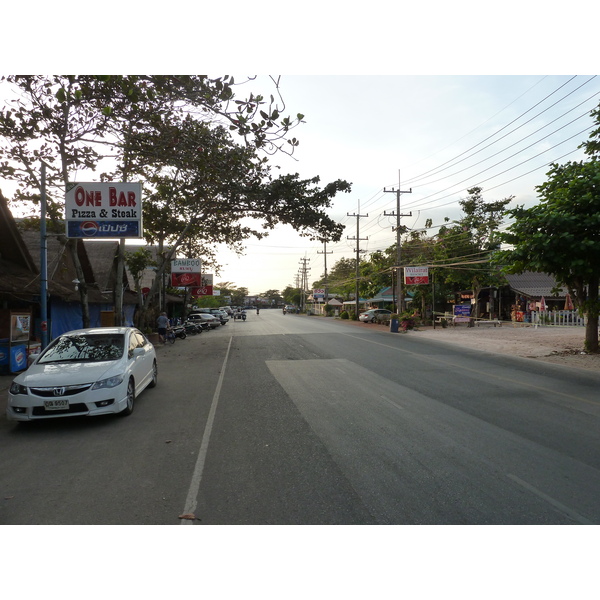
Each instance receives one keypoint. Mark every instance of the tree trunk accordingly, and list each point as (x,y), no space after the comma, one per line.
(119,320)
(591,327)
(85,307)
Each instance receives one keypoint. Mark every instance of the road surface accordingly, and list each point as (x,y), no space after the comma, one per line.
(306,420)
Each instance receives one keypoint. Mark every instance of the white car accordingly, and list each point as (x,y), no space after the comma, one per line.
(371,316)
(212,320)
(83,373)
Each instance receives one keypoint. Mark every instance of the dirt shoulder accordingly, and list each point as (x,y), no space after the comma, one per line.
(559,345)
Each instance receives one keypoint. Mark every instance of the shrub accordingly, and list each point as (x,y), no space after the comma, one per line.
(344,315)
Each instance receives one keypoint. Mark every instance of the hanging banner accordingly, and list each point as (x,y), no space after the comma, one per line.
(416,275)
(104,210)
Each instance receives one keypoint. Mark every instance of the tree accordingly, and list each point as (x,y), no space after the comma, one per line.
(174,132)
(471,241)
(292,295)
(138,262)
(341,279)
(271,297)
(561,236)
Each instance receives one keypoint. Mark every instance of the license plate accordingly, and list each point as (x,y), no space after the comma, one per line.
(56,404)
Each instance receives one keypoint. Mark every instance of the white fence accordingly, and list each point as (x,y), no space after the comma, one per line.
(563,318)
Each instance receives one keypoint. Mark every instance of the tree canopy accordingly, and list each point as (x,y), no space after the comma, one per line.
(561,236)
(176,134)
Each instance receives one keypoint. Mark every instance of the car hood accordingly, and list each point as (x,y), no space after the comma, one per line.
(62,374)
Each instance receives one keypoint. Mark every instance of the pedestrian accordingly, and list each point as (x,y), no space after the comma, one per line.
(162,322)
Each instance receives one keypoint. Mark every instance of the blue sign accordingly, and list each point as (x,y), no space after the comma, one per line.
(103,229)
(462,310)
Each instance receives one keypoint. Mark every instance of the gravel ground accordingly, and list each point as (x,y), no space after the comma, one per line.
(560,345)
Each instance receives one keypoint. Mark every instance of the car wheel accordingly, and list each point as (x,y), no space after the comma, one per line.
(154,376)
(130,399)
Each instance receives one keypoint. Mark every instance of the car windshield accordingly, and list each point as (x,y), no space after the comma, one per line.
(85,348)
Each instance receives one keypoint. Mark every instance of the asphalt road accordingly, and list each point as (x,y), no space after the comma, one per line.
(304,420)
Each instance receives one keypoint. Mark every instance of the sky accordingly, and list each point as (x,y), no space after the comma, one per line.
(434,99)
(432,136)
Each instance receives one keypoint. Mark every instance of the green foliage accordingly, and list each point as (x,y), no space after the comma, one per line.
(271,297)
(138,262)
(344,314)
(292,295)
(561,236)
(341,279)
(209,302)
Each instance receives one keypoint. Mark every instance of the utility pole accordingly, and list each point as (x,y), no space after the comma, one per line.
(358,239)
(304,274)
(325,253)
(397,214)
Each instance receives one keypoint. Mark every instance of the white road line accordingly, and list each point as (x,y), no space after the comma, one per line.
(192,496)
(575,516)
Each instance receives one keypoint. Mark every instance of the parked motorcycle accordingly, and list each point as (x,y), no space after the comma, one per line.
(179,331)
(192,328)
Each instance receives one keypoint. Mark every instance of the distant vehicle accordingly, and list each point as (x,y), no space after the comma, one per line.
(221,315)
(290,308)
(227,309)
(371,316)
(85,372)
(212,320)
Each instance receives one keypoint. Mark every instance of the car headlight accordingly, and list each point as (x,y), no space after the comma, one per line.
(111,382)
(17,388)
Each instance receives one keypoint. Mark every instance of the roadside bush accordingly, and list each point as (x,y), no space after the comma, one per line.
(407,321)
(344,315)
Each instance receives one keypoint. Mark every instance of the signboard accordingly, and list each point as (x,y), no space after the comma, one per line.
(462,313)
(19,327)
(186,265)
(318,294)
(203,287)
(206,290)
(104,210)
(185,279)
(416,275)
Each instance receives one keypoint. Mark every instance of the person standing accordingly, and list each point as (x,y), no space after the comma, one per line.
(162,322)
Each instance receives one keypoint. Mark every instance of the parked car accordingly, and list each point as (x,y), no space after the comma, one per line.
(221,315)
(85,372)
(212,320)
(371,316)
(227,309)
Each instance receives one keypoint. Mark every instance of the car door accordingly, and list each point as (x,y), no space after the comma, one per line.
(141,365)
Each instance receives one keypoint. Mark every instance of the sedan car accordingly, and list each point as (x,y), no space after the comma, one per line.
(212,320)
(371,316)
(83,373)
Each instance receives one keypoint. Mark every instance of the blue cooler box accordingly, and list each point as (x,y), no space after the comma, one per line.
(4,354)
(18,358)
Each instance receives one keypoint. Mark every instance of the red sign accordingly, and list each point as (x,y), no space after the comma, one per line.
(416,275)
(185,279)
(206,290)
